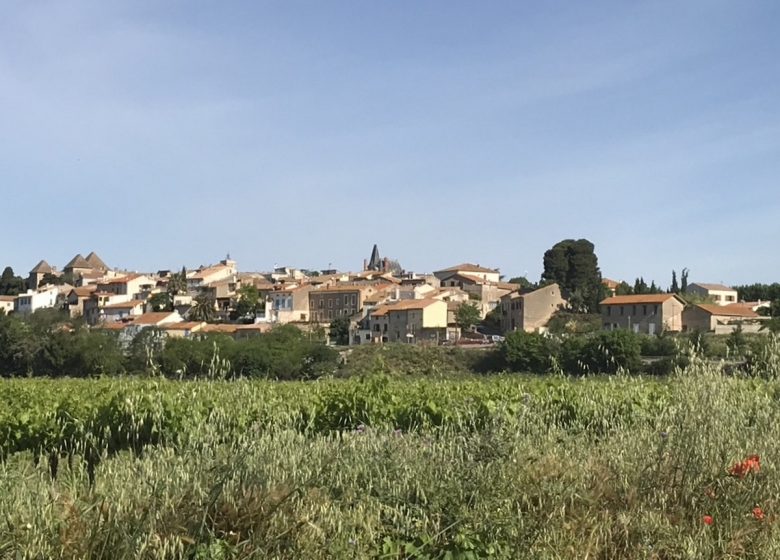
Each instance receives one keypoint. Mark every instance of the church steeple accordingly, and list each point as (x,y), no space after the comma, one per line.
(375,263)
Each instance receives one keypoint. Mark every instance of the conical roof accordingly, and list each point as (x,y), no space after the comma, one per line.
(96,262)
(375,263)
(41,268)
(78,262)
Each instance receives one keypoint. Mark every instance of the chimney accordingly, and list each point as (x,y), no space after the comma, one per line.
(385,264)
(365,264)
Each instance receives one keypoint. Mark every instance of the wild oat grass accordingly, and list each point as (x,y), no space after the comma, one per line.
(507,468)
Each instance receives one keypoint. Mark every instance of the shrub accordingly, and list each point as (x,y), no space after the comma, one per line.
(529,352)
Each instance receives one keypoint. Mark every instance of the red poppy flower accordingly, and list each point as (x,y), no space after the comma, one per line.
(707,519)
(741,469)
(758,513)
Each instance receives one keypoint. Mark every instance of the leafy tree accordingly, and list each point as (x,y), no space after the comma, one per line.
(624,289)
(492,321)
(467,315)
(528,352)
(161,301)
(574,266)
(204,308)
(247,302)
(759,292)
(50,279)
(339,330)
(737,342)
(610,351)
(675,288)
(11,284)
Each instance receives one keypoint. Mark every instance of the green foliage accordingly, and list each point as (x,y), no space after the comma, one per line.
(529,352)
(524,283)
(11,284)
(162,301)
(204,308)
(756,292)
(375,467)
(573,265)
(339,330)
(248,299)
(566,322)
(467,315)
(611,351)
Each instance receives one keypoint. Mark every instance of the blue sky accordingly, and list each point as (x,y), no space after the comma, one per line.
(300,133)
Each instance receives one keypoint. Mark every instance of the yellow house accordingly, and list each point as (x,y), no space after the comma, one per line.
(411,320)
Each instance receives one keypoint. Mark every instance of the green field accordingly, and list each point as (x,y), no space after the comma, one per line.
(379,467)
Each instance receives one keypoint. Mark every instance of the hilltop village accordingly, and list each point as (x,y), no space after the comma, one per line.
(462,304)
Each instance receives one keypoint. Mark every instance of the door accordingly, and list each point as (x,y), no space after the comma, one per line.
(651,328)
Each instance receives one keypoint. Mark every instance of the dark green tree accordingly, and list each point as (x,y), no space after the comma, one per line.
(339,330)
(466,315)
(523,282)
(684,281)
(161,301)
(624,289)
(11,284)
(50,279)
(574,266)
(247,301)
(675,288)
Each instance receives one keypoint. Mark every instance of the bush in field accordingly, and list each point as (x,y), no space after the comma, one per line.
(611,351)
(529,352)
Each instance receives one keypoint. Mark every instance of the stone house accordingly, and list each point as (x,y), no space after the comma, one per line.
(530,311)
(722,319)
(409,321)
(720,294)
(646,313)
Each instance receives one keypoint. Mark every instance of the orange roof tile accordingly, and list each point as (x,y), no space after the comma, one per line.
(734,310)
(404,305)
(182,326)
(641,298)
(468,267)
(152,318)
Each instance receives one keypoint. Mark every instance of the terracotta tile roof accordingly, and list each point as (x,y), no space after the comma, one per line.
(734,310)
(404,305)
(641,298)
(41,268)
(114,325)
(152,318)
(205,272)
(183,326)
(219,328)
(328,289)
(7,298)
(84,291)
(124,279)
(468,267)
(715,287)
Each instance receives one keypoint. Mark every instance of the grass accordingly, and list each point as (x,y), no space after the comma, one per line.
(555,468)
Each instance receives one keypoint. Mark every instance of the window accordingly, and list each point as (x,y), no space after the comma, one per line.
(322,303)
(346,300)
(354,300)
(330,304)
(609,310)
(633,310)
(621,310)
(330,314)
(644,310)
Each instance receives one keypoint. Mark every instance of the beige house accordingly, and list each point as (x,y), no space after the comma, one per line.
(646,313)
(411,321)
(288,305)
(77,297)
(722,319)
(225,270)
(7,304)
(720,294)
(133,285)
(530,311)
(184,329)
